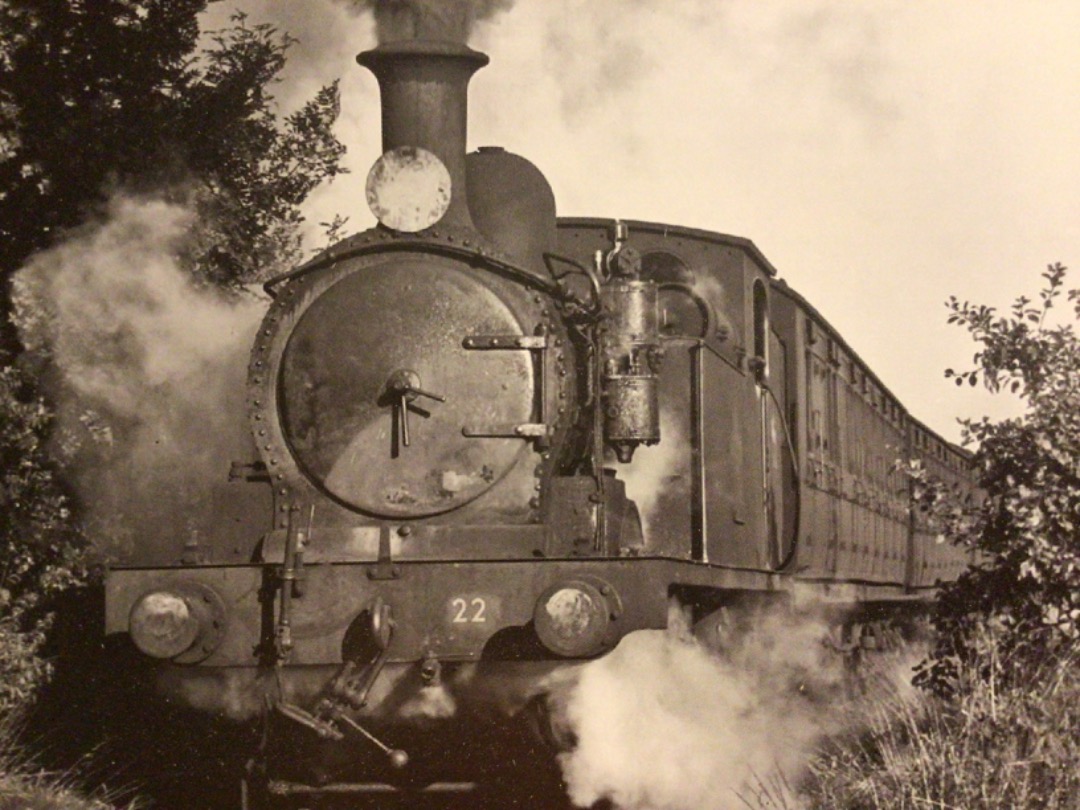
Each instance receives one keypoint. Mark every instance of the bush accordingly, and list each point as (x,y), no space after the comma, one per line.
(1026,532)
(41,551)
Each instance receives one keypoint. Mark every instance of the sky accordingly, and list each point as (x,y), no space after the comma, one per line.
(883,154)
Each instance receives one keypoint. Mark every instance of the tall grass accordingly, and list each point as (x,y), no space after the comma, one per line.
(25,787)
(1009,738)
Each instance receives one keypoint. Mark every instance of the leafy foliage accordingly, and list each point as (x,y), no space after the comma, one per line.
(110,95)
(252,173)
(41,552)
(1027,530)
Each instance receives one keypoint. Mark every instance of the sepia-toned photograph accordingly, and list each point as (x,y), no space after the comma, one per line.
(539,404)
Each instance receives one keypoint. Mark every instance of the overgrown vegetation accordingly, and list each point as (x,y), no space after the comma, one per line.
(1026,531)
(42,551)
(24,787)
(993,744)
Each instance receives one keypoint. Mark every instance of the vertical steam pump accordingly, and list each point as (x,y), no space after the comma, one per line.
(630,352)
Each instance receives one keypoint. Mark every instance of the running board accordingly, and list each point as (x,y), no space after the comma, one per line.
(282,788)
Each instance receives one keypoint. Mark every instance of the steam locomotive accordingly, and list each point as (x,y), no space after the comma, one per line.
(491,442)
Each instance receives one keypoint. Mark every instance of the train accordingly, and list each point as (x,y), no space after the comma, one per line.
(488,442)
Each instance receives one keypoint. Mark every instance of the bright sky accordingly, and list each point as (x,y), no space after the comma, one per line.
(883,155)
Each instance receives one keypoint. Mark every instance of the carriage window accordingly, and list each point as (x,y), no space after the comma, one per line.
(682,312)
(665,268)
(761,331)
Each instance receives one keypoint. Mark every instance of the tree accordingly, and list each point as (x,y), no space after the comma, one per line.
(114,95)
(105,97)
(1026,586)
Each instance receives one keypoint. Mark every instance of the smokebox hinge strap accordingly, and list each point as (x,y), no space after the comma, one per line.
(538,344)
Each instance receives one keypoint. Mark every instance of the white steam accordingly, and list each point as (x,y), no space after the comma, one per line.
(662,723)
(147,369)
(658,470)
(433,701)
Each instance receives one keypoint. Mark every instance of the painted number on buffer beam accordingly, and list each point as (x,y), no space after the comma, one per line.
(469,611)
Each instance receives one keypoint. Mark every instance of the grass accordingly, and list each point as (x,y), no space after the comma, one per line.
(38,792)
(992,747)
(23,787)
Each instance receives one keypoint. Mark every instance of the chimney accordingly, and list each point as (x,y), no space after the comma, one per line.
(423,84)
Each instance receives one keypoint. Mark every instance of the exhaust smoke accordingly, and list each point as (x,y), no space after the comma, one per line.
(448,20)
(147,371)
(662,722)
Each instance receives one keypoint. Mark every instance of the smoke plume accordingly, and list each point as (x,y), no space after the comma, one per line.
(450,20)
(147,371)
(662,722)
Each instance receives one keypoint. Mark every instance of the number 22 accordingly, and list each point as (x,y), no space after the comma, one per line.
(462,610)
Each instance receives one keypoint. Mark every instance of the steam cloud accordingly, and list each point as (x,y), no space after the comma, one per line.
(149,375)
(451,20)
(662,723)
(659,470)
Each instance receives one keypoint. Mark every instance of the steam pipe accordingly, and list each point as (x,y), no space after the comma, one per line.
(423,85)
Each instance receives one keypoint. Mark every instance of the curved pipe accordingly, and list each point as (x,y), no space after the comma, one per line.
(790,556)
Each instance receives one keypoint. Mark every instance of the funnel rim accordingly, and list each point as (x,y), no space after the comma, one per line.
(430,48)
